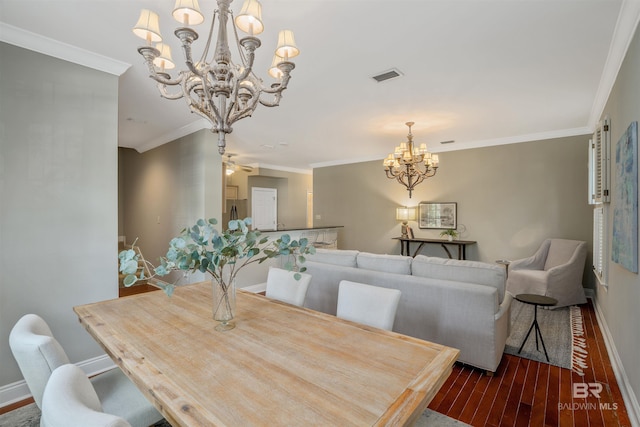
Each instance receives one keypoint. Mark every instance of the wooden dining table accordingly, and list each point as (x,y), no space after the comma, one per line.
(281,364)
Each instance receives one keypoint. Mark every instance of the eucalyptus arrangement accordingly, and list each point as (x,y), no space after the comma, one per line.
(450,233)
(221,254)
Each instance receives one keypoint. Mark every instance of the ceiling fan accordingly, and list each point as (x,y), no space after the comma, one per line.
(231,166)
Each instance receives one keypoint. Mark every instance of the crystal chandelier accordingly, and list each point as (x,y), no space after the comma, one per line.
(410,165)
(214,86)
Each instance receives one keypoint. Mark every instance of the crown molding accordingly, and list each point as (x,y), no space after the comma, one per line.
(173,135)
(37,43)
(541,136)
(283,168)
(531,137)
(623,33)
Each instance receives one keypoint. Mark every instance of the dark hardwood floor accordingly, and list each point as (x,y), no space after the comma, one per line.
(528,393)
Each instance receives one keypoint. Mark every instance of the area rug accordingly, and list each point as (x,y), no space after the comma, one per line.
(562,331)
(29,416)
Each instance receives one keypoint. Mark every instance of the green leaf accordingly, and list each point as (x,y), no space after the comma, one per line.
(297,276)
(201,223)
(129,267)
(285,239)
(130,280)
(233,224)
(253,252)
(213,221)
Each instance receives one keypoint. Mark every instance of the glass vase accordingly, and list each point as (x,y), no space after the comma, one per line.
(224,303)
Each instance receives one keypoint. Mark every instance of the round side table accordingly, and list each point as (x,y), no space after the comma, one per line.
(536,300)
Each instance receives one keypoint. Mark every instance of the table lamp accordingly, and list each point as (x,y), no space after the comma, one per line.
(405,215)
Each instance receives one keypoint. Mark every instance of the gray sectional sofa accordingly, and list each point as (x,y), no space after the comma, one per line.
(460,304)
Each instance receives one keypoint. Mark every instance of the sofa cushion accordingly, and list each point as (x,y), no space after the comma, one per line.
(397,264)
(481,273)
(334,256)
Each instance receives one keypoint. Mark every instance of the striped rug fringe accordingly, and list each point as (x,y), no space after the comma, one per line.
(578,342)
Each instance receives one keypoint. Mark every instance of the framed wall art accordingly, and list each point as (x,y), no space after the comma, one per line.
(625,201)
(438,215)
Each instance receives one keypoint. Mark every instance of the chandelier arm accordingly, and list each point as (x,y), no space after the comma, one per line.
(206,94)
(153,73)
(391,174)
(274,103)
(188,87)
(279,87)
(245,112)
(400,179)
(164,81)
(186,48)
(165,94)
(247,69)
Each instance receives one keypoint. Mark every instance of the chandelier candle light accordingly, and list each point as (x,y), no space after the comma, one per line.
(410,165)
(215,87)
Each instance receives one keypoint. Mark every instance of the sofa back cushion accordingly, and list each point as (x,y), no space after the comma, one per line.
(481,273)
(397,264)
(334,256)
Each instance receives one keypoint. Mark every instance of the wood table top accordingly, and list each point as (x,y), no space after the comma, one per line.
(280,365)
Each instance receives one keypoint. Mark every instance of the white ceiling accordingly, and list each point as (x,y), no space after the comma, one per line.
(480,72)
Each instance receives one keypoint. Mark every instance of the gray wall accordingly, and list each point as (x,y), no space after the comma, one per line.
(509,198)
(168,188)
(619,303)
(292,194)
(58,196)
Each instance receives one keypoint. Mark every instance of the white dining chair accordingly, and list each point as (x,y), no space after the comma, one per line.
(371,305)
(69,399)
(283,286)
(38,354)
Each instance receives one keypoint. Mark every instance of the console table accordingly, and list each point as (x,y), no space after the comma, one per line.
(405,245)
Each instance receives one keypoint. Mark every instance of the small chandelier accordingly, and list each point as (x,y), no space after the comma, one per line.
(410,165)
(217,88)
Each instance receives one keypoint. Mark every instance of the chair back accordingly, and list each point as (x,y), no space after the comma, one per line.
(70,400)
(561,251)
(283,286)
(370,305)
(37,352)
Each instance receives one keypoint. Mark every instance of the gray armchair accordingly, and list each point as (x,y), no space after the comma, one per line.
(555,270)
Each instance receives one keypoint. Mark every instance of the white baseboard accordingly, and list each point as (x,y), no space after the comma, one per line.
(15,392)
(628,395)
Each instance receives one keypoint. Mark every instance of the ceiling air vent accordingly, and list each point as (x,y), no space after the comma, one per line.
(447,142)
(387,75)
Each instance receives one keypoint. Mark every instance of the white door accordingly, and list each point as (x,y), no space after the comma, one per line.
(264,208)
